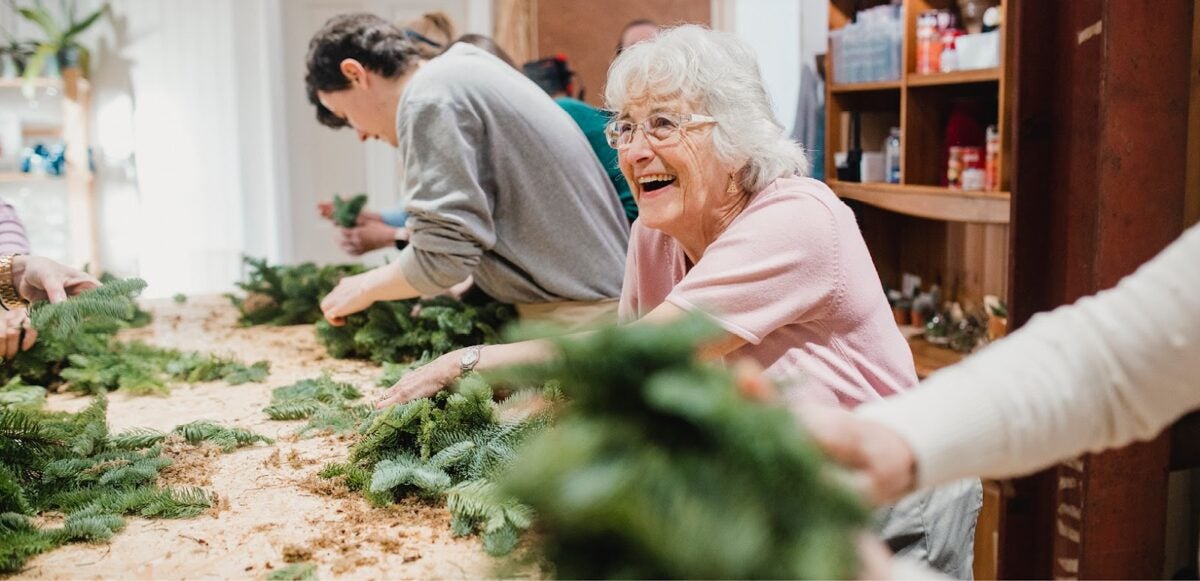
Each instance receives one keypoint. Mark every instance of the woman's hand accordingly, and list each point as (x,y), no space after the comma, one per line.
(11,324)
(40,279)
(423,381)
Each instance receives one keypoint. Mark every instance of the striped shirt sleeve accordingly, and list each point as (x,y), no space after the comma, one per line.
(12,231)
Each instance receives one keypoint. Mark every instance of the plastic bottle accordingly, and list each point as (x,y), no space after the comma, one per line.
(891,148)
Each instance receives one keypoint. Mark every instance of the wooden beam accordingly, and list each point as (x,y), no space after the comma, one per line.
(1099,169)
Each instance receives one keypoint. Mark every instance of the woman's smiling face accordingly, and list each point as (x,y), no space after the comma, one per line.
(679,183)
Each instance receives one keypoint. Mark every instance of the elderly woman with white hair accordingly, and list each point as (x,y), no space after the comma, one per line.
(728,224)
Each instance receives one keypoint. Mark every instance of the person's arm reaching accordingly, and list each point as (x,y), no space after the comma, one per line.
(1102,373)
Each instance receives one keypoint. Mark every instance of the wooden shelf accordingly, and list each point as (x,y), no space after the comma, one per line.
(955,78)
(44,83)
(54,131)
(929,358)
(19,177)
(931,202)
(862,87)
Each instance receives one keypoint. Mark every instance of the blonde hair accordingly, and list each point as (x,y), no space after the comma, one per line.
(718,73)
(435,26)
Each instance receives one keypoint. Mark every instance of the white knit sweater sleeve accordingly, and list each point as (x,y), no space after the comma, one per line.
(1101,373)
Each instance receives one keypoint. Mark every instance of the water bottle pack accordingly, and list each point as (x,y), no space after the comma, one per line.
(869,49)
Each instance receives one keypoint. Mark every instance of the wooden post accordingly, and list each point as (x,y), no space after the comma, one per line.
(1099,172)
(81,194)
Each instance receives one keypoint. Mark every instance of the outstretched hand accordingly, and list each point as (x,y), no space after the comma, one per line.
(423,381)
(881,463)
(41,279)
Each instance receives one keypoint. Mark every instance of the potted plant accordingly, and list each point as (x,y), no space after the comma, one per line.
(61,42)
(13,55)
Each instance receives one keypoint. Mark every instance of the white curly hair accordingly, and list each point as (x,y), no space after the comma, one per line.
(718,74)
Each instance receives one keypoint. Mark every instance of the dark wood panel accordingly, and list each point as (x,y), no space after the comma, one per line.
(1098,176)
(588,32)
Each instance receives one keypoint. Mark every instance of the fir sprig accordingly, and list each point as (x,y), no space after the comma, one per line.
(226,438)
(406,331)
(70,464)
(328,405)
(286,295)
(345,212)
(659,468)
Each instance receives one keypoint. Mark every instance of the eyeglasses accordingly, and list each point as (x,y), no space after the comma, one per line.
(659,128)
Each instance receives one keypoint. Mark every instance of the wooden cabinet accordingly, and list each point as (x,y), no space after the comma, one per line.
(73,94)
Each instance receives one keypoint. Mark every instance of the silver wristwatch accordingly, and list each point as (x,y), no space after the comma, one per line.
(470,359)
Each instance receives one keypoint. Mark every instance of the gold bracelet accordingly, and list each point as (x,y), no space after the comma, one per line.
(9,298)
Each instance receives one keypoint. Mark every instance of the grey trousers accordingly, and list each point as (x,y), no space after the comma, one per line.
(935,526)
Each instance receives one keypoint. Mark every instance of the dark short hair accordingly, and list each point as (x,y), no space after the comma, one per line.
(552,74)
(380,46)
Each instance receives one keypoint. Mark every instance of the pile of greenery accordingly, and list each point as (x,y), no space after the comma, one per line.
(402,331)
(345,212)
(327,405)
(658,468)
(54,463)
(449,446)
(76,344)
(286,295)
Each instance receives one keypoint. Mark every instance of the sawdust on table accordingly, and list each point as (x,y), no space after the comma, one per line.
(271,506)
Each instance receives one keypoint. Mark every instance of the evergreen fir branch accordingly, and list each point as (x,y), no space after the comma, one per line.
(328,405)
(294,572)
(411,330)
(659,461)
(20,395)
(480,505)
(136,439)
(175,503)
(90,528)
(286,295)
(227,439)
(345,212)
(292,410)
(12,496)
(19,546)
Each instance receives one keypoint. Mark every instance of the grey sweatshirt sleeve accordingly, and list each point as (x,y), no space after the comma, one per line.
(450,219)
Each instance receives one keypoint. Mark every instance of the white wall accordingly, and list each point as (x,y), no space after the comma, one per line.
(785,34)
(205,145)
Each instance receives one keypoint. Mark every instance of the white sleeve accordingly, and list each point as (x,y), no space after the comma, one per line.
(1101,373)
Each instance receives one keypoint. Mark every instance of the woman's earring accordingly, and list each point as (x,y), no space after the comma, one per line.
(733,187)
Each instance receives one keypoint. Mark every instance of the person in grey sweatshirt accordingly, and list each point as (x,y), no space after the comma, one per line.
(500,183)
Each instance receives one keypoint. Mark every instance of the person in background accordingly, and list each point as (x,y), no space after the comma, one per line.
(24,279)
(729,225)
(499,182)
(555,77)
(488,44)
(636,31)
(1109,370)
(430,34)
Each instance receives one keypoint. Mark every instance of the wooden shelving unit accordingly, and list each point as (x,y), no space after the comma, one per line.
(953,238)
(74,92)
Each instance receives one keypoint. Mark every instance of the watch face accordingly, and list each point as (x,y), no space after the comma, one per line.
(470,358)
